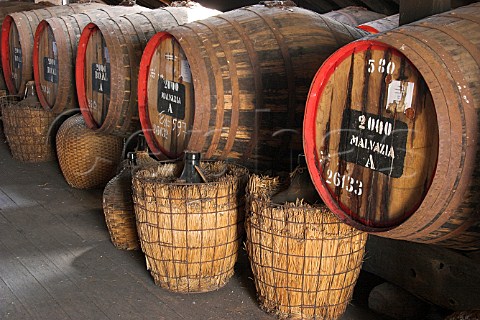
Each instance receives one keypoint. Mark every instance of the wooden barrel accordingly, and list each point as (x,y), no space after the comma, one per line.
(108,59)
(387,7)
(17,41)
(235,85)
(353,16)
(381,25)
(8,7)
(152,4)
(391,131)
(54,52)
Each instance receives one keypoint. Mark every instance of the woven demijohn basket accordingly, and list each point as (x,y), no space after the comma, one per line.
(118,205)
(26,127)
(304,260)
(87,159)
(190,233)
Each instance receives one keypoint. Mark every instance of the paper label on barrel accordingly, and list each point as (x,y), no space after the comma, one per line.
(50,69)
(101,78)
(186,73)
(171,98)
(17,58)
(399,96)
(374,142)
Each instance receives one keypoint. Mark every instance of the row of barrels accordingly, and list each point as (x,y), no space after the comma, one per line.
(110,42)
(388,122)
(9,7)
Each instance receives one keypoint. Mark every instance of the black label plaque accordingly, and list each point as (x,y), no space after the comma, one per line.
(374,142)
(17,58)
(171,98)
(50,69)
(101,78)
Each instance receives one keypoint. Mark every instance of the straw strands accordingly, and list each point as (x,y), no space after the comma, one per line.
(118,203)
(87,159)
(119,212)
(190,233)
(305,261)
(26,127)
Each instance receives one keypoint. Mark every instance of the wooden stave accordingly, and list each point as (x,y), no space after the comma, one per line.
(385,7)
(461,198)
(11,7)
(381,25)
(126,121)
(354,16)
(31,19)
(201,73)
(452,223)
(67,29)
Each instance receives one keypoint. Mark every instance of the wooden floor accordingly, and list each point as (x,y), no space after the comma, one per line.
(57,261)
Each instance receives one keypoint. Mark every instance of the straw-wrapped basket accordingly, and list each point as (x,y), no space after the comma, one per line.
(118,205)
(26,126)
(190,233)
(87,159)
(304,260)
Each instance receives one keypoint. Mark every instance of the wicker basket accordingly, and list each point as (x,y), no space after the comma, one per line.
(118,204)
(87,159)
(190,233)
(305,261)
(26,126)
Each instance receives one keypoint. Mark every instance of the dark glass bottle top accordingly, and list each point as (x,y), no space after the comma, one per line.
(191,166)
(141,143)
(301,186)
(132,158)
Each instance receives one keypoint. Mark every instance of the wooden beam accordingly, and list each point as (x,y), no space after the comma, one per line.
(441,276)
(413,10)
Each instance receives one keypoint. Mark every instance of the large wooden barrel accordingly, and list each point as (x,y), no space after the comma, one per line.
(8,7)
(353,16)
(152,4)
(17,41)
(234,86)
(380,25)
(108,59)
(391,131)
(54,52)
(387,7)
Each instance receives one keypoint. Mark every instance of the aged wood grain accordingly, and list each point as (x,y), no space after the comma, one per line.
(54,52)
(115,110)
(251,70)
(434,197)
(17,41)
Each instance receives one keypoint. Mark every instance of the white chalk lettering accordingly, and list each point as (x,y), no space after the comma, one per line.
(370,163)
(345,182)
(51,70)
(374,146)
(171,98)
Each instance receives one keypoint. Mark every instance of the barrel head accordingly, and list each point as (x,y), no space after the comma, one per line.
(46,65)
(166,96)
(93,84)
(12,56)
(371,135)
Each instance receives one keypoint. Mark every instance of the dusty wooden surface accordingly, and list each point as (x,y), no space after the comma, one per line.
(442,276)
(57,261)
